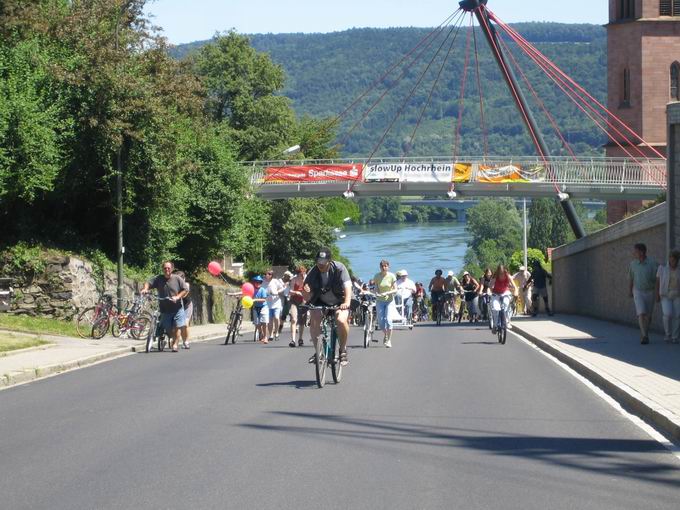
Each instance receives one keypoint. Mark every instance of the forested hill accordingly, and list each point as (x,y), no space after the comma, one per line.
(326,72)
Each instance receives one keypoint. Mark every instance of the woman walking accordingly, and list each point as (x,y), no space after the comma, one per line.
(386,288)
(668,293)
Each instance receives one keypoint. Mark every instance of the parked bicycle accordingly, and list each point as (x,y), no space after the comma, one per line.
(235,321)
(328,346)
(133,322)
(100,315)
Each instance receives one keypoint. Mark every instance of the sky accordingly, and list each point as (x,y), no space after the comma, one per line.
(186,21)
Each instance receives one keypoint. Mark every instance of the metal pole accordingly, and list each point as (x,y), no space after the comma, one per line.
(119,229)
(526,255)
(478,7)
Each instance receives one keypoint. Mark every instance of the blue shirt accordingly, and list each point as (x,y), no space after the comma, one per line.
(260,294)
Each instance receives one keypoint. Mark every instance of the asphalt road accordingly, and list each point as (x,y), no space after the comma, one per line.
(446,419)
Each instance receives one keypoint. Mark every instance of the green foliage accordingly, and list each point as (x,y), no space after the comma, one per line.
(22,261)
(533,255)
(540,217)
(495,220)
(337,209)
(38,325)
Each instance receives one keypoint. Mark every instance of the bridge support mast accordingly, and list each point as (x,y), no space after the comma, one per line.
(478,8)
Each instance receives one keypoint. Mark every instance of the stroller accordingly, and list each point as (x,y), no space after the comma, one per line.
(400,321)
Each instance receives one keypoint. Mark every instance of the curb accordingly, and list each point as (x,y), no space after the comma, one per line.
(630,399)
(32,374)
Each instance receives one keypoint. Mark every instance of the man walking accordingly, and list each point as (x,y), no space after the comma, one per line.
(521,278)
(642,284)
(171,289)
(275,288)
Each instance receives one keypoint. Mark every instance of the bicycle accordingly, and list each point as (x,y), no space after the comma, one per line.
(450,306)
(328,346)
(132,322)
(368,317)
(235,321)
(502,326)
(94,321)
(157,332)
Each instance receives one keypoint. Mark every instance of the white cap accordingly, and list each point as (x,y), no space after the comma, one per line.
(466,273)
(403,272)
(450,273)
(399,274)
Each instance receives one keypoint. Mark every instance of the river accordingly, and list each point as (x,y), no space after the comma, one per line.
(419,248)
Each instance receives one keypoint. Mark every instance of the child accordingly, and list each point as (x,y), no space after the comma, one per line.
(260,309)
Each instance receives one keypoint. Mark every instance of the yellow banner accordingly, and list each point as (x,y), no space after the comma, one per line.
(462,172)
(501,175)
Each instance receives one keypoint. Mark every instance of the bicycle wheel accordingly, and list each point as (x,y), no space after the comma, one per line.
(139,328)
(439,314)
(85,321)
(368,329)
(500,328)
(100,327)
(116,327)
(237,329)
(232,320)
(336,367)
(320,362)
(151,333)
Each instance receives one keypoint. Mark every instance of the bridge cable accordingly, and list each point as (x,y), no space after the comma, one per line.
(413,90)
(559,71)
(539,101)
(434,86)
(485,134)
(572,94)
(461,101)
(390,88)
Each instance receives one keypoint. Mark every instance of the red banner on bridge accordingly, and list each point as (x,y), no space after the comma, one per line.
(314,173)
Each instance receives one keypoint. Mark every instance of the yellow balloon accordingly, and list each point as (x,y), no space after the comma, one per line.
(247,302)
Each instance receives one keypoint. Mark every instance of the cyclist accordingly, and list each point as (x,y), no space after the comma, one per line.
(386,287)
(453,288)
(485,293)
(437,289)
(328,283)
(503,288)
(171,290)
(470,287)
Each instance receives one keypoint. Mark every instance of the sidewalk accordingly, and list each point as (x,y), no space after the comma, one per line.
(645,379)
(68,353)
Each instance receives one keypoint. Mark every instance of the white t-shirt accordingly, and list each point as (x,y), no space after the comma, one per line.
(274,288)
(406,288)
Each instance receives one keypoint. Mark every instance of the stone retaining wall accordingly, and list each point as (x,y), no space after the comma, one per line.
(68,285)
(590,276)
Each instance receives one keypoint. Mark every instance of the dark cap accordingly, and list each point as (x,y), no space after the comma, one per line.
(323,256)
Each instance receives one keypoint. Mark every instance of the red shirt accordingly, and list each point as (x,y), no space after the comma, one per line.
(501,285)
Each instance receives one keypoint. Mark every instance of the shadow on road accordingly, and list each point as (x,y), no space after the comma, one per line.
(300,385)
(609,457)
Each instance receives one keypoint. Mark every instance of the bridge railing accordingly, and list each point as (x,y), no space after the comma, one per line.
(603,172)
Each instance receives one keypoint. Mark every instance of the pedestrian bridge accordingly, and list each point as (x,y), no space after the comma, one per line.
(581,178)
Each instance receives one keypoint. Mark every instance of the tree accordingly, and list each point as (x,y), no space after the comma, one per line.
(496,220)
(540,218)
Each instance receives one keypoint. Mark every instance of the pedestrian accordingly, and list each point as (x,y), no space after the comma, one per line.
(521,278)
(406,289)
(386,288)
(260,309)
(285,299)
(642,284)
(275,288)
(298,314)
(188,305)
(171,288)
(470,288)
(668,293)
(539,279)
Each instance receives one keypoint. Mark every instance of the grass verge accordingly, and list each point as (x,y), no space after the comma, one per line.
(9,342)
(40,325)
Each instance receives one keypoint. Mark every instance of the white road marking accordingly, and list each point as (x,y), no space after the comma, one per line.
(636,420)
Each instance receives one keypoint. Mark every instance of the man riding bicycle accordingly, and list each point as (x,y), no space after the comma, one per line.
(328,283)
(437,290)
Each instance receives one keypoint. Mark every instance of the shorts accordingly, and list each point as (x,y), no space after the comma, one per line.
(275,313)
(188,313)
(260,315)
(539,292)
(173,320)
(297,313)
(644,301)
(436,296)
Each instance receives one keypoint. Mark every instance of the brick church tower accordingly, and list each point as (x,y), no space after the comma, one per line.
(643,52)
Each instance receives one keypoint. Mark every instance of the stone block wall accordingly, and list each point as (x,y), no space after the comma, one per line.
(68,286)
(590,276)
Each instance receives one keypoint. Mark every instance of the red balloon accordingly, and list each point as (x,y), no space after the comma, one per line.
(214,268)
(247,289)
